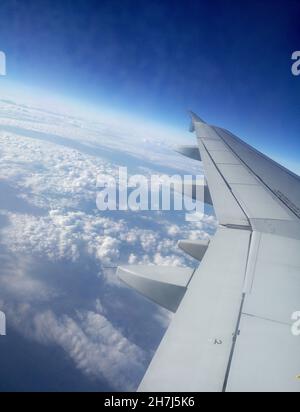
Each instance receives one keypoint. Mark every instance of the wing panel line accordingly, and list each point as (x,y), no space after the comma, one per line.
(229,188)
(256,175)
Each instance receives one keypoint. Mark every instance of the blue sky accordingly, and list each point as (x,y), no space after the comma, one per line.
(229,62)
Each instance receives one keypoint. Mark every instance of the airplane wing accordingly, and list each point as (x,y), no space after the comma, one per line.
(232,328)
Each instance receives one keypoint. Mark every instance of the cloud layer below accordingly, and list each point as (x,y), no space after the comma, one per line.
(57,250)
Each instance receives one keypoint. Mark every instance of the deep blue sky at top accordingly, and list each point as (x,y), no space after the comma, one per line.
(229,61)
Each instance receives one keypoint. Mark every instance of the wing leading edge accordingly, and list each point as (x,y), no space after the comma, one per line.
(232,329)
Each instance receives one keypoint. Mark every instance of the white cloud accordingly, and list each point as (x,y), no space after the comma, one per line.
(95,345)
(51,162)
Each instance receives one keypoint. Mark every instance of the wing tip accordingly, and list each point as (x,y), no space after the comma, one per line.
(195,117)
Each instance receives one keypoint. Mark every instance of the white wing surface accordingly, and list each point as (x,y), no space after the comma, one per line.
(232,330)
